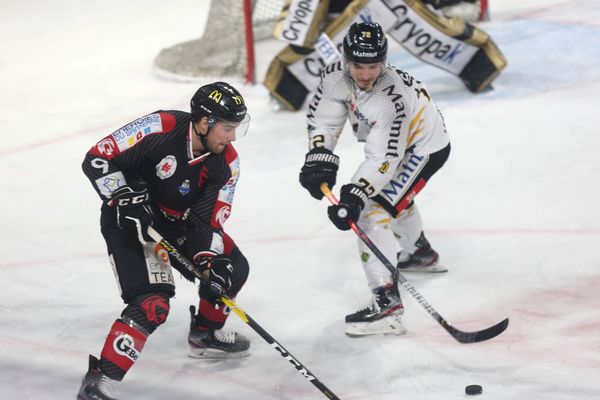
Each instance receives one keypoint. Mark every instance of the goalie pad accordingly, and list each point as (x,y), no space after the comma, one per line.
(447,43)
(300,20)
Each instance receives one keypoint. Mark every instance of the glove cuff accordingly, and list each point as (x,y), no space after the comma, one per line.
(322,155)
(353,189)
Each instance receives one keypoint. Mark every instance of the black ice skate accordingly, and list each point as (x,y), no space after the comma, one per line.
(95,385)
(424,259)
(382,317)
(215,344)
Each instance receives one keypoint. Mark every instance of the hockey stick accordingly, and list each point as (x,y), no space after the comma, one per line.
(461,336)
(246,318)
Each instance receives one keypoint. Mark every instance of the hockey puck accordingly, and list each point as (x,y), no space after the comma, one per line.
(473,389)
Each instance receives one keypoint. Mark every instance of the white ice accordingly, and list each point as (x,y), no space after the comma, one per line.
(514,215)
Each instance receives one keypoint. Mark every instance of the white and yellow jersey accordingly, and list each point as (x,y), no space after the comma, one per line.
(396,115)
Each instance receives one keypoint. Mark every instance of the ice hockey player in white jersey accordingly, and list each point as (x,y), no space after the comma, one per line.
(405,143)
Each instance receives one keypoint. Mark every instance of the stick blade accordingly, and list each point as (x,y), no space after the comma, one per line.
(478,336)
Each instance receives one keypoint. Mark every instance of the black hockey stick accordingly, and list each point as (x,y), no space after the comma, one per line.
(246,318)
(461,336)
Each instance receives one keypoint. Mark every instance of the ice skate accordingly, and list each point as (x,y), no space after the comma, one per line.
(95,385)
(216,344)
(424,259)
(382,317)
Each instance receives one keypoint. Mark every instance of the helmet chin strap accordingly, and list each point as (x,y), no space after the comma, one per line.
(202,137)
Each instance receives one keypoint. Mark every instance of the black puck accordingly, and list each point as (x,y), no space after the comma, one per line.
(473,389)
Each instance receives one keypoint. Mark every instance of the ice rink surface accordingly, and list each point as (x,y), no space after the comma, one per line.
(514,215)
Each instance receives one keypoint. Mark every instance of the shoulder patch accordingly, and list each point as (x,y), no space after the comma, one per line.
(133,132)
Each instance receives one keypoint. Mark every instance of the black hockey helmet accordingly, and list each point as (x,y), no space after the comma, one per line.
(365,43)
(218,101)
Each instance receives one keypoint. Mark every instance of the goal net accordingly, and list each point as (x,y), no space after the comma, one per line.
(227,46)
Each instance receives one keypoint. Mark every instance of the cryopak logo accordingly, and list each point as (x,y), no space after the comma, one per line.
(295,26)
(417,35)
(123,346)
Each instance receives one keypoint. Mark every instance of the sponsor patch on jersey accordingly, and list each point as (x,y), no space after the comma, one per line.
(184,188)
(109,183)
(133,132)
(405,175)
(166,167)
(107,147)
(158,265)
(227,192)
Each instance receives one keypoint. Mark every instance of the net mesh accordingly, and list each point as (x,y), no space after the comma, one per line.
(221,51)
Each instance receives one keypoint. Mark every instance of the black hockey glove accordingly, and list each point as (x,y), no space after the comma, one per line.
(320,166)
(352,202)
(133,209)
(217,271)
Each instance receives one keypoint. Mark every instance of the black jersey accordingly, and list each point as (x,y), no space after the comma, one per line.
(190,196)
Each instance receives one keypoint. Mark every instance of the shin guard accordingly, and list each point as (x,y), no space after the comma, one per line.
(122,348)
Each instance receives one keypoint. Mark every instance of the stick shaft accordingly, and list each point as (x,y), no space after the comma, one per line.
(246,318)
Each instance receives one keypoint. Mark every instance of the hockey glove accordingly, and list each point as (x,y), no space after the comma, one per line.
(320,166)
(217,270)
(133,209)
(352,202)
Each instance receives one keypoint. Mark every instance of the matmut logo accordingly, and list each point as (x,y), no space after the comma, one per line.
(364,53)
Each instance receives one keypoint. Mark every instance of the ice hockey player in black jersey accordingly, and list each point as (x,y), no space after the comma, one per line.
(176,171)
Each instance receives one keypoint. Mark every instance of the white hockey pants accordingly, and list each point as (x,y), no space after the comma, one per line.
(389,235)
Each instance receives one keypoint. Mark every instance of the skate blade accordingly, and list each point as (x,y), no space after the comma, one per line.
(436,268)
(385,326)
(215,354)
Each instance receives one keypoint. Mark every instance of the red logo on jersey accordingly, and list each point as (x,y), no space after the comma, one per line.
(106,147)
(203,177)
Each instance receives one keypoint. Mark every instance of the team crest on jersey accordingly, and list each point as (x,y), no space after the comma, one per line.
(184,188)
(166,167)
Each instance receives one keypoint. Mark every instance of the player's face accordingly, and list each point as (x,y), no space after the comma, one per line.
(222,134)
(364,75)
